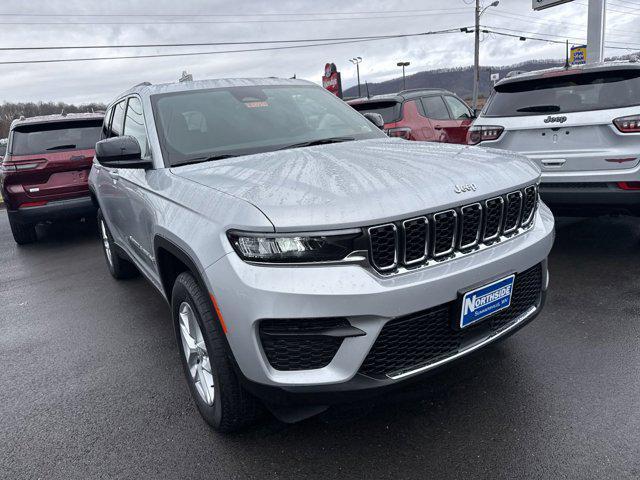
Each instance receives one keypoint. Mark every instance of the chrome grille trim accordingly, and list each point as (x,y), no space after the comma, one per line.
(526,221)
(462,228)
(486,217)
(456,250)
(516,225)
(426,241)
(454,236)
(395,257)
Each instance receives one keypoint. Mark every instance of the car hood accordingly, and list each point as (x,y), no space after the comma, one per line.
(362,183)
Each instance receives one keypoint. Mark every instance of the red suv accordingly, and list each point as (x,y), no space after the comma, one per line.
(45,170)
(425,114)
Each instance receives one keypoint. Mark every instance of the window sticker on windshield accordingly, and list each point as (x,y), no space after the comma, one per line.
(256,104)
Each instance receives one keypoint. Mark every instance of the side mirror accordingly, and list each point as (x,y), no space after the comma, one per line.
(375,118)
(121,152)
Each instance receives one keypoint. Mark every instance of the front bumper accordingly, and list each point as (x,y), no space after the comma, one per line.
(589,198)
(56,210)
(248,293)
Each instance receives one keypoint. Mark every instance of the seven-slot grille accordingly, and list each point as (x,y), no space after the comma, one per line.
(441,235)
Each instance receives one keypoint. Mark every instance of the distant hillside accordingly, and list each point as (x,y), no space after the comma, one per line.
(458,80)
(11,111)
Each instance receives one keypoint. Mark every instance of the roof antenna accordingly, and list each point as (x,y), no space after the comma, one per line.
(566,62)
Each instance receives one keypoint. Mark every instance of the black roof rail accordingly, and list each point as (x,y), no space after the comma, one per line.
(433,89)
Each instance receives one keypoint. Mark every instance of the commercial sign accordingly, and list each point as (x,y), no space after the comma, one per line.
(542,4)
(331,79)
(578,55)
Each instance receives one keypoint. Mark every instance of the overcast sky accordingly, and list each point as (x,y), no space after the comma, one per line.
(80,82)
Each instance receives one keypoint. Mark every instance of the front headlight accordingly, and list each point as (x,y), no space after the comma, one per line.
(294,248)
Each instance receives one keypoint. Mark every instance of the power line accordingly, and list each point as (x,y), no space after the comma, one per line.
(548,40)
(203,44)
(217,52)
(199,15)
(228,22)
(579,39)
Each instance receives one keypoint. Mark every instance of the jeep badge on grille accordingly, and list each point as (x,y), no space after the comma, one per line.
(468,187)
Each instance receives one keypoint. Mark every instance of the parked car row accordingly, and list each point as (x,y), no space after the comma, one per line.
(308,258)
(580,125)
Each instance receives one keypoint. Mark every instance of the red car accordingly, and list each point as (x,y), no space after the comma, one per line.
(44,173)
(431,115)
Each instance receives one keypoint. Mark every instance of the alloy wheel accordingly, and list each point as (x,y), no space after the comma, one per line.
(196,354)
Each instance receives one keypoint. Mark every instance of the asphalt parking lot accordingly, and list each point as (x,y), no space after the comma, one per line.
(91,385)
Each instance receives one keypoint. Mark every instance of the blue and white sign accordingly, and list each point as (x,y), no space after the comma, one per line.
(487,300)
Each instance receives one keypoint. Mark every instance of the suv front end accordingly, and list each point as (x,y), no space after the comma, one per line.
(383,308)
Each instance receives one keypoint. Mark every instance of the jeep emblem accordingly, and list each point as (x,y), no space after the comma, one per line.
(551,119)
(468,187)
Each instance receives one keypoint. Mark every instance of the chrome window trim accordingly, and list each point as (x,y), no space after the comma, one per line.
(395,255)
(478,231)
(517,223)
(426,241)
(527,221)
(455,233)
(497,234)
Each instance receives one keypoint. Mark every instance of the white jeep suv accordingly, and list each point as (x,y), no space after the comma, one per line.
(581,125)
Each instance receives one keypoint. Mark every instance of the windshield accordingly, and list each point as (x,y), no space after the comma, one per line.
(390,110)
(576,92)
(55,137)
(199,124)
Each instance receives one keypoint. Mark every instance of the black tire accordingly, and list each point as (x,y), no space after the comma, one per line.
(233,407)
(23,233)
(120,268)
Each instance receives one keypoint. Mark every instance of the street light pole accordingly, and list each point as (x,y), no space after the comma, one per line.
(404,82)
(476,57)
(357,61)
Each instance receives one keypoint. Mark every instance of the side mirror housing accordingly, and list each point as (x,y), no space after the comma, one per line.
(375,118)
(121,152)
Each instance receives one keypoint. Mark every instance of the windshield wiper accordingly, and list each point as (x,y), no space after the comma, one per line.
(210,158)
(540,108)
(320,141)
(61,147)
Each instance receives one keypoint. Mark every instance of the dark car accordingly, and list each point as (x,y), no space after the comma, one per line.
(45,170)
(431,115)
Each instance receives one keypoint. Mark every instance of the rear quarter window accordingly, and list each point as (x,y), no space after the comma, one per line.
(566,93)
(390,110)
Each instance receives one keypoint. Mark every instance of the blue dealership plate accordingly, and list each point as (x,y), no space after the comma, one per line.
(486,300)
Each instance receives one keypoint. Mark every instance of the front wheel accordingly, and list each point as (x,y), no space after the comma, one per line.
(213,383)
(119,268)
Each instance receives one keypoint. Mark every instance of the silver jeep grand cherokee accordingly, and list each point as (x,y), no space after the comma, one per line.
(308,258)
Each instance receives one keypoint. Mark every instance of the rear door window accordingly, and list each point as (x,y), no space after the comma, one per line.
(435,108)
(459,111)
(565,93)
(389,109)
(55,137)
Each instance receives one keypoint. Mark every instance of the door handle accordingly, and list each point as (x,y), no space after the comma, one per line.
(438,127)
(114,173)
(553,162)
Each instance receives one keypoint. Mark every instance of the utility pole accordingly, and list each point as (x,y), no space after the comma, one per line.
(476,58)
(595,31)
